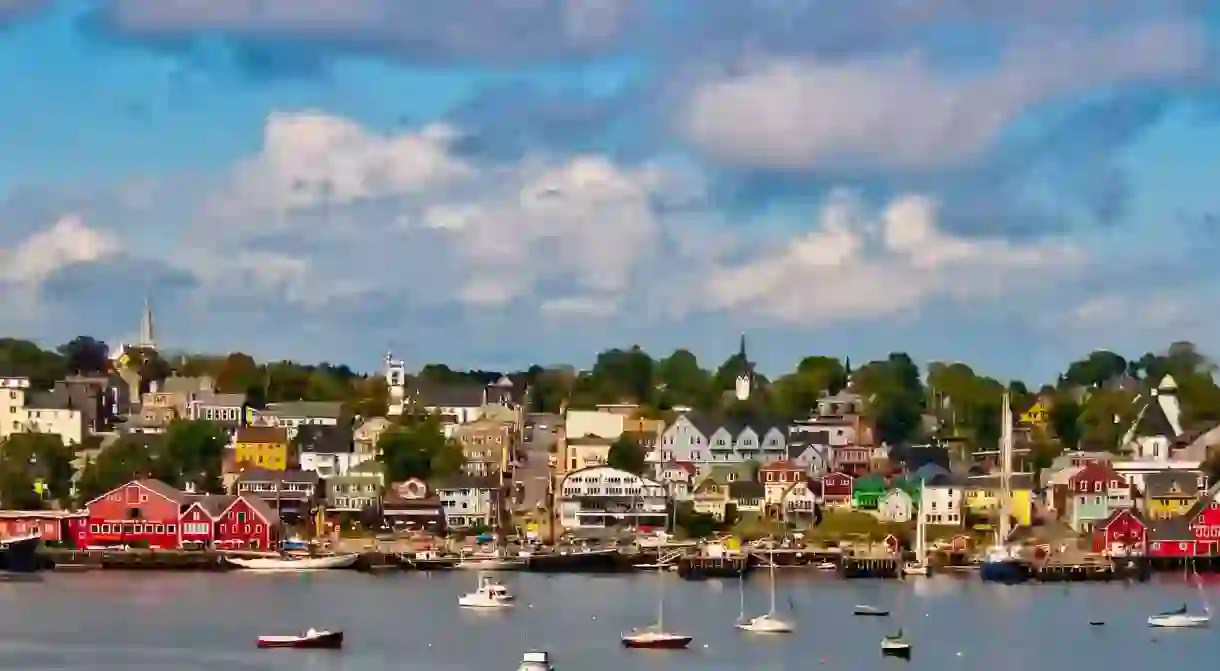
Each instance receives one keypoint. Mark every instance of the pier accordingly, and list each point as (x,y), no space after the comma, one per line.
(870,567)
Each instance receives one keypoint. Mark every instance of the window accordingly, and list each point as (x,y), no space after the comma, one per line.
(241,516)
(160,528)
(247,528)
(1097,486)
(171,528)
(258,528)
(223,528)
(94,528)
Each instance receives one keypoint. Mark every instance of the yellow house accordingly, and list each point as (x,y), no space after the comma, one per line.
(262,447)
(982,497)
(1038,415)
(1169,493)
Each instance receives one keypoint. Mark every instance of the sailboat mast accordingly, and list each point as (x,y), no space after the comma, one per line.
(772,560)
(660,601)
(1005,466)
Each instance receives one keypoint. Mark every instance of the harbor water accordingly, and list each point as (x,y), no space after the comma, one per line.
(115,620)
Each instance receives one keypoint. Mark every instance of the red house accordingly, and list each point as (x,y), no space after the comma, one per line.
(1204,520)
(853,459)
(837,488)
(1170,538)
(228,522)
(197,522)
(141,512)
(1122,533)
(248,522)
(55,526)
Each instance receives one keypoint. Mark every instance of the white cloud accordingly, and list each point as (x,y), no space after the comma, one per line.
(857,264)
(903,112)
(67,242)
(309,158)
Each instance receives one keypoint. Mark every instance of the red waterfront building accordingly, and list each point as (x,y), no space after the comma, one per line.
(152,513)
(141,512)
(1194,533)
(54,526)
(1124,532)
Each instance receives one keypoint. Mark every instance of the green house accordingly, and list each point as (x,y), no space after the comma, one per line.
(867,491)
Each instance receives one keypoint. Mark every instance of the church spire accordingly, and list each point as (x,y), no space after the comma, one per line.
(742,350)
(147,336)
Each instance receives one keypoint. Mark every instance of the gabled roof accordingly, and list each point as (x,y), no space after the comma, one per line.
(814,487)
(294,475)
(1173,529)
(928,471)
(303,409)
(162,489)
(324,439)
(708,425)
(259,506)
(1171,483)
(1153,422)
(1204,501)
(1122,512)
(871,482)
(780,466)
(211,504)
(746,489)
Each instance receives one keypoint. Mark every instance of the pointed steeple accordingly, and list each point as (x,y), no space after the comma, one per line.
(147,335)
(742,349)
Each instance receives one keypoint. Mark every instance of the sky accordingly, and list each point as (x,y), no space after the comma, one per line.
(495,183)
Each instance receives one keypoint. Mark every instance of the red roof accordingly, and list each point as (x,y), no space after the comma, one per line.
(155,486)
(1120,512)
(688,466)
(1095,472)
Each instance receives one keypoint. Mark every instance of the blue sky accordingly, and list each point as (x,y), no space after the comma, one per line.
(497,183)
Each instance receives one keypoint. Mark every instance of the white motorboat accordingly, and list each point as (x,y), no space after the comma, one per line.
(286,563)
(490,594)
(536,661)
(1179,619)
(769,622)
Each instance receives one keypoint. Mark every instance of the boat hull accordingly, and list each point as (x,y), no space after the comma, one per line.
(1179,621)
(433,564)
(490,565)
(667,643)
(901,651)
(278,564)
(20,555)
(1005,571)
(328,641)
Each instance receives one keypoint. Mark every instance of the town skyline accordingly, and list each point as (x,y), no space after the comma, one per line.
(553,180)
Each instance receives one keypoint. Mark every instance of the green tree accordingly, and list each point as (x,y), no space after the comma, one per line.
(192,452)
(894,397)
(796,394)
(127,459)
(1096,369)
(1065,421)
(24,358)
(683,382)
(35,468)
(626,455)
(1105,418)
(418,448)
(85,355)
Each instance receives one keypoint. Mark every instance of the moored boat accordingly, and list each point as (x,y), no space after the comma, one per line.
(869,611)
(312,639)
(19,554)
(490,594)
(536,661)
(895,646)
(289,563)
(655,639)
(1179,619)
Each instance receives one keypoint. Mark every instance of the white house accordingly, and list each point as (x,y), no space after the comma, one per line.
(293,414)
(801,499)
(941,498)
(706,442)
(896,506)
(813,459)
(1157,424)
(678,478)
(23,411)
(601,496)
(467,500)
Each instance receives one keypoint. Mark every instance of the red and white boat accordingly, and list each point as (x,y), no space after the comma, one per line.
(656,639)
(310,640)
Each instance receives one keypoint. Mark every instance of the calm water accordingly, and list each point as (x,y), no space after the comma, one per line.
(411,621)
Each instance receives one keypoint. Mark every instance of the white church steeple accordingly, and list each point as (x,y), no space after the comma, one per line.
(745,379)
(396,380)
(147,336)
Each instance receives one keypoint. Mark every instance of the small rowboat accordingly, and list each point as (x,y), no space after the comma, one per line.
(310,640)
(869,611)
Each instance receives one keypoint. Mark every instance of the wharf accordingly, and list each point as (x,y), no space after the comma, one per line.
(161,560)
(1088,568)
(870,567)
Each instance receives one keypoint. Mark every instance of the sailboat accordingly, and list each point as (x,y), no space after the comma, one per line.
(655,637)
(920,565)
(1001,563)
(497,559)
(767,623)
(285,562)
(1180,618)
